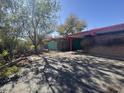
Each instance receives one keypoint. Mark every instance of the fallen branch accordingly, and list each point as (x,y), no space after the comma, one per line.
(12,63)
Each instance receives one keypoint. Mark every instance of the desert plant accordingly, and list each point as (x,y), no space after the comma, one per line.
(5,55)
(1,63)
(9,71)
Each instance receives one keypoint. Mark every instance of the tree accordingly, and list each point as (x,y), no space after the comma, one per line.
(10,26)
(39,19)
(71,25)
(27,18)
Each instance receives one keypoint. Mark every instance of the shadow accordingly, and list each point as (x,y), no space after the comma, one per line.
(75,75)
(74,80)
(5,80)
(108,57)
(82,75)
(81,52)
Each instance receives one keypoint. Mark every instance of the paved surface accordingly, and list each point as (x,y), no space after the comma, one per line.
(68,72)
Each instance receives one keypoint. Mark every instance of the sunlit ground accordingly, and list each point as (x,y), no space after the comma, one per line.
(68,73)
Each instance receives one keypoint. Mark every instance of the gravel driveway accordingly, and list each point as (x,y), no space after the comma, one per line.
(68,72)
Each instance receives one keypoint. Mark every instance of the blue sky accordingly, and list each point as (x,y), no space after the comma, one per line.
(97,13)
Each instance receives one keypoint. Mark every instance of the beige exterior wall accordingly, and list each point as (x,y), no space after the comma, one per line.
(103,38)
(116,52)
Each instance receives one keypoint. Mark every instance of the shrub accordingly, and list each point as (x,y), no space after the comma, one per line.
(5,53)
(9,71)
(32,47)
(1,64)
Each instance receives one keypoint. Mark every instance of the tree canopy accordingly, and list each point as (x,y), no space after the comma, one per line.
(71,25)
(40,19)
(28,18)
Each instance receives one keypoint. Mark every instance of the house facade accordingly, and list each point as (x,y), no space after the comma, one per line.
(106,41)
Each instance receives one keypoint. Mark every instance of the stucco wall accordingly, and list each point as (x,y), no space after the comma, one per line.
(101,39)
(116,52)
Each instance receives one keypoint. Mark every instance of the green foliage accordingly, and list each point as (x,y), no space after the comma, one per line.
(20,18)
(1,64)
(71,25)
(5,53)
(41,16)
(9,71)
(32,47)
(10,26)
(24,46)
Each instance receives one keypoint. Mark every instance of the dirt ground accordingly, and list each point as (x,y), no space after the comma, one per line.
(68,72)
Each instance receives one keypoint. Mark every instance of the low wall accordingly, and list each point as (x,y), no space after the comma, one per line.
(116,51)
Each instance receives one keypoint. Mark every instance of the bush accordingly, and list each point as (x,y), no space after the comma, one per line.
(1,64)
(9,71)
(32,47)
(23,47)
(4,56)
(5,53)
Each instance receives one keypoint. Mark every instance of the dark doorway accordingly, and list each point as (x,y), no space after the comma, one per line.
(76,44)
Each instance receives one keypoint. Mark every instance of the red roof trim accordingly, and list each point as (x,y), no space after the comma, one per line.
(94,31)
(108,28)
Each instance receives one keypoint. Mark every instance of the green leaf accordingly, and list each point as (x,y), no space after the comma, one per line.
(5,53)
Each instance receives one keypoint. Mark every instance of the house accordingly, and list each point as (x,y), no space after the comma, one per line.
(105,41)
(101,35)
(109,42)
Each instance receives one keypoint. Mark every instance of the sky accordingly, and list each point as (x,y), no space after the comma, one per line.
(96,13)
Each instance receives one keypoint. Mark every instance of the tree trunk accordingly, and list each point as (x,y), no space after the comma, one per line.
(35,47)
(35,40)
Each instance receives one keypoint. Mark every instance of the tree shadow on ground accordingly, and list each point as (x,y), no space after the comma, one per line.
(97,55)
(5,80)
(75,75)
(79,75)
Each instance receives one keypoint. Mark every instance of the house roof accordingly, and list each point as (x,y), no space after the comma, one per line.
(112,28)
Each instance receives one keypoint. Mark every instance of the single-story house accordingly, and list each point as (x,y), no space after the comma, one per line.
(105,41)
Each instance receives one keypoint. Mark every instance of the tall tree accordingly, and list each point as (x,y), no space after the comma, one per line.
(10,24)
(39,19)
(32,18)
(71,25)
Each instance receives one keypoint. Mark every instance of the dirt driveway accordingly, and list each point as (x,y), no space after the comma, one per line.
(68,72)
